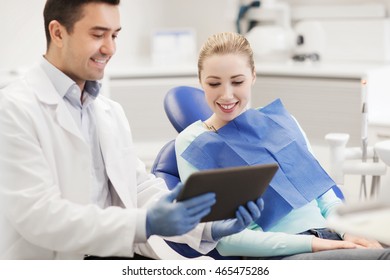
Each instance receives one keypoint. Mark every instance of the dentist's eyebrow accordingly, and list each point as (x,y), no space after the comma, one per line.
(101,28)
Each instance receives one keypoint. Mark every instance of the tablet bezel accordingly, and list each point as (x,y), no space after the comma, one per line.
(233,186)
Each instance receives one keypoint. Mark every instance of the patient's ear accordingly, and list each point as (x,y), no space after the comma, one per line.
(254,77)
(56,32)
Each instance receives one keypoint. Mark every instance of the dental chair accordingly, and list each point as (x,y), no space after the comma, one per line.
(183,105)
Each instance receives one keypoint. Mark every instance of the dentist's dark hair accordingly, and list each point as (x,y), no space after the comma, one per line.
(67,12)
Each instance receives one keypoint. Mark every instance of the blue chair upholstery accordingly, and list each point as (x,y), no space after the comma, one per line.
(165,165)
(185,105)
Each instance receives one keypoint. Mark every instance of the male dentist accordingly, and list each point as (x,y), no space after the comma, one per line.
(70,183)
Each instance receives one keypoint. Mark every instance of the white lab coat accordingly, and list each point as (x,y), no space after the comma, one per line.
(45,179)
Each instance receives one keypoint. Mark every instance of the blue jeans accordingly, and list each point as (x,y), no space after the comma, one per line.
(339,254)
(323,233)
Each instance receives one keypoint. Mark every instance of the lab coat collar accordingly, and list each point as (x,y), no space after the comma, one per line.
(47,94)
(43,87)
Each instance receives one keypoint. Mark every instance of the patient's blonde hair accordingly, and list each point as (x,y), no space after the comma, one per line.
(225,43)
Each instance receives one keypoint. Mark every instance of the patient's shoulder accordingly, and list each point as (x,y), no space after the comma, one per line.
(190,133)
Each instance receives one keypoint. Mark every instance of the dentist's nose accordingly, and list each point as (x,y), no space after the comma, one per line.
(108,47)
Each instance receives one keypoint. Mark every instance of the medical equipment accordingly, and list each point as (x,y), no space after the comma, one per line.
(369,219)
(173,47)
(373,156)
(333,32)
(270,33)
(364,136)
(241,14)
(343,32)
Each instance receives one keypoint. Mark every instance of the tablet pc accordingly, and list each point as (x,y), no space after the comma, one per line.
(233,186)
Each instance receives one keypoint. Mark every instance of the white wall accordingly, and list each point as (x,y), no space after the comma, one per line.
(22,32)
(23,36)
(332,2)
(141,17)
(23,40)
(138,18)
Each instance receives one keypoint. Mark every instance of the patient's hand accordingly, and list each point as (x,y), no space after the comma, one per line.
(365,243)
(244,216)
(319,244)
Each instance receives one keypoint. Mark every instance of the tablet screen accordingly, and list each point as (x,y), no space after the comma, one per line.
(233,187)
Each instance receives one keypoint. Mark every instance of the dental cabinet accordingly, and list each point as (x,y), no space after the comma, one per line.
(141,93)
(327,97)
(324,98)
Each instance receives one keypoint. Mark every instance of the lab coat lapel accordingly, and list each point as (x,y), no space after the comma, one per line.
(65,119)
(116,162)
(47,94)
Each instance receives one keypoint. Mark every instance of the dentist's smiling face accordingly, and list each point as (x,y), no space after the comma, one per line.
(86,50)
(227,82)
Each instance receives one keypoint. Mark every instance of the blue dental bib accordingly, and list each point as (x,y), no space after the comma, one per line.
(266,135)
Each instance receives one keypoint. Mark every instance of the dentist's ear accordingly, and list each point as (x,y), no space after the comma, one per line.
(56,32)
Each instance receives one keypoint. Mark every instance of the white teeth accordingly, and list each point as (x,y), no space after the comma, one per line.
(227,107)
(99,60)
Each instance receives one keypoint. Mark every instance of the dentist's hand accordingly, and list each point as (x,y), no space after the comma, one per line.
(169,218)
(243,218)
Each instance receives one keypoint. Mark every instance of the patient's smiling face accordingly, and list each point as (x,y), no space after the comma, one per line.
(227,81)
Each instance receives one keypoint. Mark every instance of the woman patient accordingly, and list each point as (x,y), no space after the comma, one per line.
(300,196)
